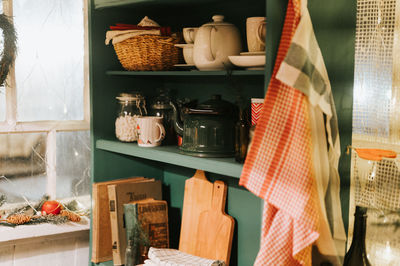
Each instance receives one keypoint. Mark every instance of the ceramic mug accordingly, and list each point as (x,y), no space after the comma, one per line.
(150,131)
(189,34)
(255,33)
(188,54)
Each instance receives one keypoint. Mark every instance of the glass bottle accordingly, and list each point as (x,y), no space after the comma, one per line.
(357,254)
(241,137)
(130,106)
(129,254)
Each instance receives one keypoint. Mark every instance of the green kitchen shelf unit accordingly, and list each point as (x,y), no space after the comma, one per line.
(334,22)
(171,155)
(188,73)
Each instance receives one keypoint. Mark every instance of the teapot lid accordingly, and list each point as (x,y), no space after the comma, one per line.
(218,20)
(134,96)
(215,105)
(161,102)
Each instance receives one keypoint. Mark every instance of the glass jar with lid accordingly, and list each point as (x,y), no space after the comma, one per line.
(130,106)
(161,107)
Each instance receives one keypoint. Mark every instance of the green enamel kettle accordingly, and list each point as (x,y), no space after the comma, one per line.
(208,129)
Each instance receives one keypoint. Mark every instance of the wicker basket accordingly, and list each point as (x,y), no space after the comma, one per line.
(148,52)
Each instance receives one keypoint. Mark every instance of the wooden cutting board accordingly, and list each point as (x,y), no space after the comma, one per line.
(197,198)
(215,229)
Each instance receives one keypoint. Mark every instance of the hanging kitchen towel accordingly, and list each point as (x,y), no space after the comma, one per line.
(303,68)
(278,167)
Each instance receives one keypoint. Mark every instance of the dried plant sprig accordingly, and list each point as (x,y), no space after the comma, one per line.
(28,207)
(53,219)
(3,199)
(18,219)
(71,216)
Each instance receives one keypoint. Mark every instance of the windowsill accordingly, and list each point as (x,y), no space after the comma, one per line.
(21,232)
(46,230)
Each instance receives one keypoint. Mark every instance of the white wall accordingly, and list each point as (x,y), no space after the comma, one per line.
(60,250)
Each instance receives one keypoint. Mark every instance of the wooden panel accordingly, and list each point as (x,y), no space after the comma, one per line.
(81,251)
(6,255)
(243,206)
(57,252)
(215,227)
(197,198)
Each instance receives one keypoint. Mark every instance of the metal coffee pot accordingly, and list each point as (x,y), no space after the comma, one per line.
(208,129)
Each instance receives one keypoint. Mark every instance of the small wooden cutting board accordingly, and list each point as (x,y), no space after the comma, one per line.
(215,229)
(197,198)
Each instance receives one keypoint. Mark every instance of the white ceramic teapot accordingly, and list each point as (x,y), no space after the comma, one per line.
(214,42)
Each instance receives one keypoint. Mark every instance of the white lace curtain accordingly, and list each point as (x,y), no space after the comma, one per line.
(376,119)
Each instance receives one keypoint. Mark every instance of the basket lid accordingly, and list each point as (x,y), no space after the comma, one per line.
(375,154)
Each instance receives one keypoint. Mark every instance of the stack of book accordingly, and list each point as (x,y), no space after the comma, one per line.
(127,209)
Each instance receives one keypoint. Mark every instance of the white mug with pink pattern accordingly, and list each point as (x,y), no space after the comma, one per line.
(151,131)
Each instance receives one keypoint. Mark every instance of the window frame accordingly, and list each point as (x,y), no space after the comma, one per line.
(50,127)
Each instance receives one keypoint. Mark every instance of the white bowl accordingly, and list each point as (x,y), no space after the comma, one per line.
(249,61)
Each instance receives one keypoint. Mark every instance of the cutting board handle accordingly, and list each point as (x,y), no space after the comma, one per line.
(219,196)
(200,175)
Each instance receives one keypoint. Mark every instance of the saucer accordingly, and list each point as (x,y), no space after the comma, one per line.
(253,53)
(185,66)
(248,61)
(183,45)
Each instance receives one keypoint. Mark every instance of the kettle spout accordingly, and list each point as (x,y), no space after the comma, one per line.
(178,124)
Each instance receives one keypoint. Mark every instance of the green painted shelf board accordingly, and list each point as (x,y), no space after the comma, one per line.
(171,155)
(105,263)
(187,73)
(115,3)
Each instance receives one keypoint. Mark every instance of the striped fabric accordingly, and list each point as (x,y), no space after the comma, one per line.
(278,167)
(304,69)
(174,257)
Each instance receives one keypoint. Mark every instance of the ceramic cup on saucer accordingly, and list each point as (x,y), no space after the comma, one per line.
(187,52)
(189,34)
(150,131)
(255,33)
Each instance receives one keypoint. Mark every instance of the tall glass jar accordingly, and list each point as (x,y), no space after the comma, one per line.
(130,106)
(160,107)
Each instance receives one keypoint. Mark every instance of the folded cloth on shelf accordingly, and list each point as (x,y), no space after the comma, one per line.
(173,257)
(303,68)
(117,36)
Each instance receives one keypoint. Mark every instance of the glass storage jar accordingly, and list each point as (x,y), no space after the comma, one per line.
(130,106)
(160,107)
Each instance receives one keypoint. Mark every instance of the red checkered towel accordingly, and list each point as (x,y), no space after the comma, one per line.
(278,167)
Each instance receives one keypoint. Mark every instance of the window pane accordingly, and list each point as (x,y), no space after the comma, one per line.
(22,161)
(49,65)
(2,89)
(2,104)
(73,164)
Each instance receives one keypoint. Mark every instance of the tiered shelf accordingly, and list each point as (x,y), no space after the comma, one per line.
(172,155)
(187,73)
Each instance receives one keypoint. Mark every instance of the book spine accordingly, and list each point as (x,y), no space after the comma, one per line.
(116,245)
(95,231)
